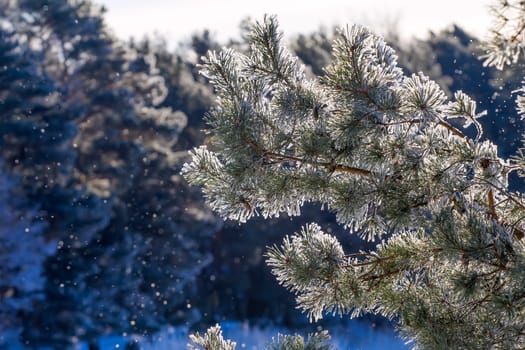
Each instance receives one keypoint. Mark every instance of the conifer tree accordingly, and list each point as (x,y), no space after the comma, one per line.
(37,133)
(128,229)
(23,249)
(378,149)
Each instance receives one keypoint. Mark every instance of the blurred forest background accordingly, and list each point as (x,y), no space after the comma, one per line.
(99,234)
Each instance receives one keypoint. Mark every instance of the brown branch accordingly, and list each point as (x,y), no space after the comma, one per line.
(347,169)
(504,192)
(519,32)
(361,254)
(372,262)
(328,165)
(370,100)
(283,158)
(517,233)
(492,207)
(452,129)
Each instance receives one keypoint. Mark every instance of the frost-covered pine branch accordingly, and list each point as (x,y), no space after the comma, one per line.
(316,341)
(506,41)
(213,340)
(377,148)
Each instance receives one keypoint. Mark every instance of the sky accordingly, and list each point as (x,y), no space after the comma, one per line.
(178,19)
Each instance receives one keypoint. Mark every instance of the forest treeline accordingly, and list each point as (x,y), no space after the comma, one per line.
(99,233)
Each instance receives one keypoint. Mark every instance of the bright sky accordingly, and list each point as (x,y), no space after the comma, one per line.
(178,19)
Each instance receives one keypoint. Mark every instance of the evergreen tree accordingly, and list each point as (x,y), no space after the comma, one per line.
(378,149)
(35,133)
(187,91)
(128,230)
(36,138)
(23,249)
(314,50)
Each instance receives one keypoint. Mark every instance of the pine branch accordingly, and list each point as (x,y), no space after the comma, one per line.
(332,167)
(452,129)
(445,268)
